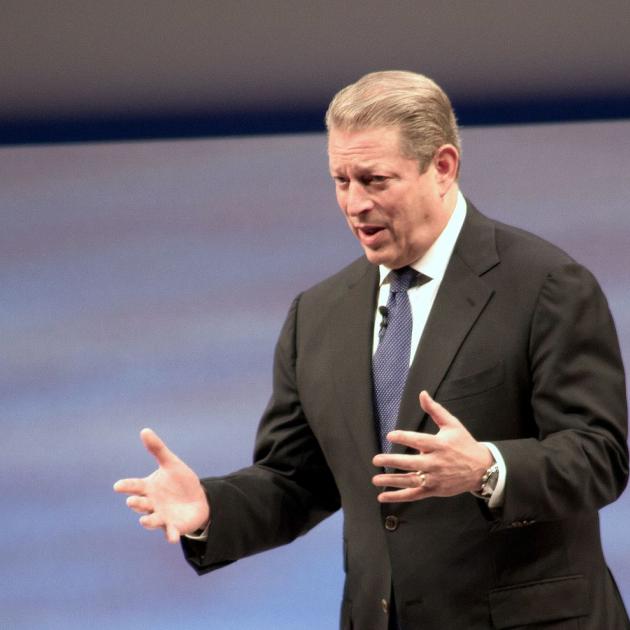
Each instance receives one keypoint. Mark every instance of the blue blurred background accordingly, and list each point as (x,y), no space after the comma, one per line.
(144,284)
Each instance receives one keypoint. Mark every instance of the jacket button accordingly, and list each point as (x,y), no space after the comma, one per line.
(385,605)
(391,523)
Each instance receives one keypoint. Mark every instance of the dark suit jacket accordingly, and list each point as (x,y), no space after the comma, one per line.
(521,347)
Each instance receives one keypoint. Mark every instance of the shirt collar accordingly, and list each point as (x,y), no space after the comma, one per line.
(435,260)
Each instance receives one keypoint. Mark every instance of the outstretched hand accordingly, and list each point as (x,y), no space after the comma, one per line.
(445,464)
(171,497)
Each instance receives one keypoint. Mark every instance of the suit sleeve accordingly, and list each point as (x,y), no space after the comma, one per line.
(579,460)
(288,489)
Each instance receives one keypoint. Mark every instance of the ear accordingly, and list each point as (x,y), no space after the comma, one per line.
(446,162)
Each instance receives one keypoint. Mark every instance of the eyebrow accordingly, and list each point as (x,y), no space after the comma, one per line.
(365,167)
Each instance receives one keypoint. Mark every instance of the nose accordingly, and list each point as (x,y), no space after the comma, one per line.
(357,199)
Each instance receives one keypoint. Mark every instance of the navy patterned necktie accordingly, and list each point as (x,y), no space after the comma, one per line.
(390,363)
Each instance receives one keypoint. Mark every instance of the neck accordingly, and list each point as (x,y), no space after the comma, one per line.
(449,200)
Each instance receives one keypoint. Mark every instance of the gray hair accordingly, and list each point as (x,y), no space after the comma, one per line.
(408,101)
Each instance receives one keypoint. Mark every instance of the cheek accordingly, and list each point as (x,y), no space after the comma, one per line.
(341,200)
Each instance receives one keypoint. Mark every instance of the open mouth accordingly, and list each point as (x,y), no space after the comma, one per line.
(371,236)
(371,230)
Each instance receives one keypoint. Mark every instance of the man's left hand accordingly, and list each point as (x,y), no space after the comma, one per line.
(445,464)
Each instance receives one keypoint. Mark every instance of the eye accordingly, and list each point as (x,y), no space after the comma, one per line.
(340,180)
(377,180)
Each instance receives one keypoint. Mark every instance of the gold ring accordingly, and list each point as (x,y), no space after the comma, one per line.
(423,477)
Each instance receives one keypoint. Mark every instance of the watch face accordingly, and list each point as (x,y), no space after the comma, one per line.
(490,480)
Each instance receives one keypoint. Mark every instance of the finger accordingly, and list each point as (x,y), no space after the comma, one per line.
(423,442)
(172,534)
(156,447)
(141,505)
(439,414)
(403,496)
(152,521)
(130,486)
(401,462)
(407,480)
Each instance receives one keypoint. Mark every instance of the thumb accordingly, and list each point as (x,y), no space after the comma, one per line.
(172,534)
(156,447)
(440,415)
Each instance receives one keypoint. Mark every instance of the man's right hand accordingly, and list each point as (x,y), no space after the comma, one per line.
(171,497)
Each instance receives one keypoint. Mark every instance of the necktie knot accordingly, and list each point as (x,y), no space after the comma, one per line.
(402,279)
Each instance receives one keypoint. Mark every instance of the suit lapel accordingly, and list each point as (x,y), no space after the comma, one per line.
(460,300)
(352,328)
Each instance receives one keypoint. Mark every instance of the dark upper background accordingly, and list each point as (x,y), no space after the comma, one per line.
(91,70)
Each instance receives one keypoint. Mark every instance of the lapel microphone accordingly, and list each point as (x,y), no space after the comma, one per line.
(384,311)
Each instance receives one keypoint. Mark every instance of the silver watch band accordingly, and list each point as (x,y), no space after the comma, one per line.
(488,482)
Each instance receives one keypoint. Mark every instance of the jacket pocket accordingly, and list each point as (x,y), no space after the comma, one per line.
(538,602)
(476,383)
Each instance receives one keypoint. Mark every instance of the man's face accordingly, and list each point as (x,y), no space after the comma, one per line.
(395,211)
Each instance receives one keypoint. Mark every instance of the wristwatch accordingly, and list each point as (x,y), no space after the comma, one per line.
(488,482)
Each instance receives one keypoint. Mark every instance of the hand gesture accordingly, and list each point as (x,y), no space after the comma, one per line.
(171,497)
(445,464)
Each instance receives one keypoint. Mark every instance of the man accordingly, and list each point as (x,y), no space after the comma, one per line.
(482,511)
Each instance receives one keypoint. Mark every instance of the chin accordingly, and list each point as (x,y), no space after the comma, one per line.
(376,258)
(380,258)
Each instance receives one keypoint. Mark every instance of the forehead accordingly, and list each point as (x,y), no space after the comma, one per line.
(363,146)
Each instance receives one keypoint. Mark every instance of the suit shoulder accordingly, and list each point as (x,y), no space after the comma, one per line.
(512,253)
(535,252)
(515,236)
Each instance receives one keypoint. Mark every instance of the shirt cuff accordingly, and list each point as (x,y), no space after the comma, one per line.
(199,535)
(496,498)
